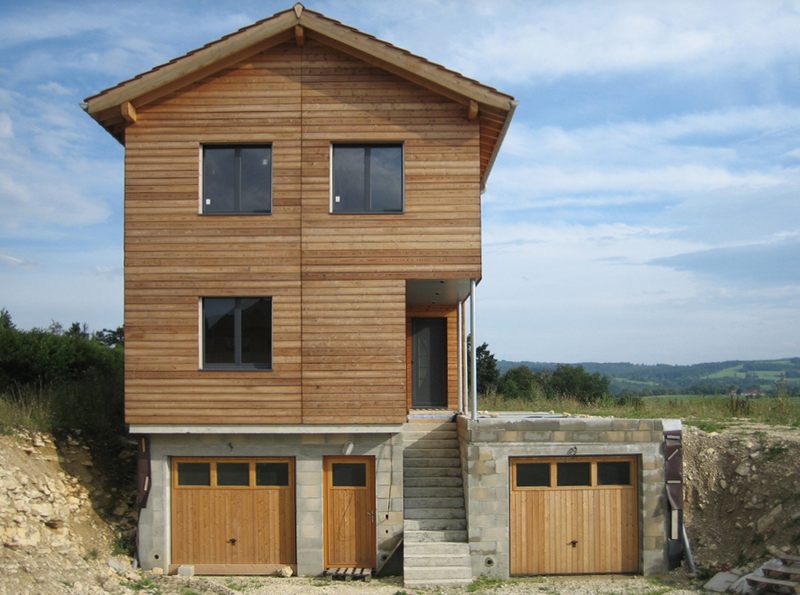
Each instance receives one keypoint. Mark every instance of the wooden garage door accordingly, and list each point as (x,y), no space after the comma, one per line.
(574,515)
(232,515)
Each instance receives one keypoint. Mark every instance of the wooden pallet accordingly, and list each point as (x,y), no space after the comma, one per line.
(348,574)
(763,584)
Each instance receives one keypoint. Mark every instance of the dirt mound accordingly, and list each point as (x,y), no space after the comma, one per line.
(742,494)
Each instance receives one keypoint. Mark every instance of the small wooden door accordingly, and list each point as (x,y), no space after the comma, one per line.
(429,362)
(574,515)
(349,511)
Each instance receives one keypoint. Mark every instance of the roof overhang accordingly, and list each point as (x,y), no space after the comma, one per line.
(115,108)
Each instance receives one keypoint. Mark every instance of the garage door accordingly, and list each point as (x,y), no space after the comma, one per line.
(233,515)
(574,515)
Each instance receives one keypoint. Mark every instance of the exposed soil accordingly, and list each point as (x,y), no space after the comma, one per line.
(743,494)
(64,511)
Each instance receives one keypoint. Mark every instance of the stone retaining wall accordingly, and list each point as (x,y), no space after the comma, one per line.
(487,443)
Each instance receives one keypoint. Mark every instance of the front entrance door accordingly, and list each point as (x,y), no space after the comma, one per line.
(428,362)
(349,512)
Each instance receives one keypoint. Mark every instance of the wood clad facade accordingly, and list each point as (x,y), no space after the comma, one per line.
(337,281)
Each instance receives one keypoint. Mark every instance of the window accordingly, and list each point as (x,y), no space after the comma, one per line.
(233,474)
(574,474)
(237,179)
(614,473)
(194,474)
(272,474)
(237,333)
(349,474)
(367,179)
(533,475)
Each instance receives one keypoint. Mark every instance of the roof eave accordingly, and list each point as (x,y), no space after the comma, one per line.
(498,144)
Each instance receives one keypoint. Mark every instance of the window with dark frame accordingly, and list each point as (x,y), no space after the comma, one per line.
(367,178)
(237,333)
(237,179)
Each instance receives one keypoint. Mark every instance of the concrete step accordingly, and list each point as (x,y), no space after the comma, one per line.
(429,462)
(432,561)
(453,549)
(410,537)
(427,453)
(431,482)
(429,525)
(434,513)
(415,471)
(430,443)
(417,503)
(429,573)
(433,492)
(453,582)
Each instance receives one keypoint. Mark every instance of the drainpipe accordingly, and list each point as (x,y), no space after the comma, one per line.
(460,361)
(473,349)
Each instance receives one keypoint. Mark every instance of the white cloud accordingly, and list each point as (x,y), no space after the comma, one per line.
(6,129)
(55,89)
(15,261)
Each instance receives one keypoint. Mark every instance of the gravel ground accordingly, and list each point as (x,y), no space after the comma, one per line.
(676,584)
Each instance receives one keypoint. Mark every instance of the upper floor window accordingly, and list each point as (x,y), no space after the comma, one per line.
(237,179)
(367,178)
(237,332)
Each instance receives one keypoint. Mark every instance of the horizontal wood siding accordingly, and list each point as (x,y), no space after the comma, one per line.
(438,235)
(174,256)
(353,351)
(337,281)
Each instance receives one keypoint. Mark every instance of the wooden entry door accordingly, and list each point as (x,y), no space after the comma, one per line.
(574,515)
(349,511)
(429,362)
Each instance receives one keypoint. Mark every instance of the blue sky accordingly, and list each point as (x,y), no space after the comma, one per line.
(645,206)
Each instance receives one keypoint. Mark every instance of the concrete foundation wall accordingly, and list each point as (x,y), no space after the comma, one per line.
(487,443)
(308,450)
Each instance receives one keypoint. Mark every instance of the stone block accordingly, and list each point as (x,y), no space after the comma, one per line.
(646,424)
(637,436)
(721,582)
(540,436)
(585,436)
(309,491)
(574,424)
(186,570)
(624,424)
(561,436)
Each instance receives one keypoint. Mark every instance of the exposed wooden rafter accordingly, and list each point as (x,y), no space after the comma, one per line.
(128,112)
(299,35)
(472,111)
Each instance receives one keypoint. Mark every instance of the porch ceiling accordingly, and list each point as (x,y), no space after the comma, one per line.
(426,292)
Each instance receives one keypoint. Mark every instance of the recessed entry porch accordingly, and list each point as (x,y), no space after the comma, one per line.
(437,317)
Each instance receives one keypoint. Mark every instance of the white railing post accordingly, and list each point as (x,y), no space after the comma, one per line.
(465,369)
(473,349)
(460,361)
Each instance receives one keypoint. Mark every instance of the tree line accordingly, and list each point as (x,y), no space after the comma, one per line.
(521,382)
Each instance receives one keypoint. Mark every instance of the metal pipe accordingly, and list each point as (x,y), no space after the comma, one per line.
(687,549)
(460,361)
(473,349)
(465,372)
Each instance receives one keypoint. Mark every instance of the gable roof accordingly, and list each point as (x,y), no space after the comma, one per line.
(114,108)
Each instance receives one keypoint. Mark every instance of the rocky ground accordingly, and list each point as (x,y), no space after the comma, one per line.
(67,524)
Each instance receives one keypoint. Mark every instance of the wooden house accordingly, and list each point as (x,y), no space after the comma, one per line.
(302,232)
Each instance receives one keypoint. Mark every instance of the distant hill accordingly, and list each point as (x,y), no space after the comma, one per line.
(763,376)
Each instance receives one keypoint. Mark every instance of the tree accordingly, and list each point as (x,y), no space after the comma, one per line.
(575,382)
(488,374)
(111,338)
(5,320)
(518,383)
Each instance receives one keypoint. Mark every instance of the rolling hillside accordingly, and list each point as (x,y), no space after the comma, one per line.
(756,376)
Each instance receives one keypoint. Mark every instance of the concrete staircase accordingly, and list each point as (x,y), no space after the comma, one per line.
(435,547)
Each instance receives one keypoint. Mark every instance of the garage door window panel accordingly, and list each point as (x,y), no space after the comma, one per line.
(614,473)
(533,475)
(194,474)
(574,474)
(272,474)
(233,474)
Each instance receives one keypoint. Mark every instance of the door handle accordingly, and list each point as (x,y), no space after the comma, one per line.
(573,543)
(232,541)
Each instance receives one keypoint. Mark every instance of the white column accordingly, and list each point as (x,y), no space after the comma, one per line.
(460,361)
(465,372)
(473,349)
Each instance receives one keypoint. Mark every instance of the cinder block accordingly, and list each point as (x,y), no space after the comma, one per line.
(637,436)
(538,436)
(646,424)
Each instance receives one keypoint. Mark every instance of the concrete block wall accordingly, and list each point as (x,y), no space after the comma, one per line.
(488,443)
(308,451)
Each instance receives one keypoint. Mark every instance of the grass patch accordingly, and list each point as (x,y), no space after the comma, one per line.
(707,425)
(485,583)
(123,545)
(236,585)
(92,554)
(143,585)
(695,409)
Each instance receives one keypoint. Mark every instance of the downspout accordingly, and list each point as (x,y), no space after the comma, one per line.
(464,371)
(473,350)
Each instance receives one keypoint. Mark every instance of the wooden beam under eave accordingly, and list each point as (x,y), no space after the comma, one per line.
(299,35)
(472,110)
(128,112)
